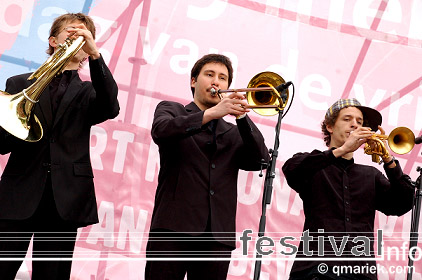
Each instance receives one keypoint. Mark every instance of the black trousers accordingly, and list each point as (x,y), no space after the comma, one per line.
(169,244)
(53,238)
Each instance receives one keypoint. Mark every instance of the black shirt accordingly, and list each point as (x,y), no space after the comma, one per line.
(340,197)
(58,87)
(209,146)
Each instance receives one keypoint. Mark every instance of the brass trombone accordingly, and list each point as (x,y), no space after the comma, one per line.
(401,141)
(263,93)
(16,115)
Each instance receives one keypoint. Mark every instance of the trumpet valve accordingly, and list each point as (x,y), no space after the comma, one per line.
(376,158)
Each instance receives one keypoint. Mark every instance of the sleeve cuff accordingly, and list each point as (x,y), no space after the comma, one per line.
(395,172)
(96,62)
(329,154)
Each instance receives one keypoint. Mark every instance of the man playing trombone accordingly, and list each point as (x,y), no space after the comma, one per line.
(47,189)
(200,156)
(340,197)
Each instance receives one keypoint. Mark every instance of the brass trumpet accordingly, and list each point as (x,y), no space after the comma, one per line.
(263,93)
(16,115)
(401,141)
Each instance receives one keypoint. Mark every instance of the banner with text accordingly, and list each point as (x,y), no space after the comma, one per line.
(370,50)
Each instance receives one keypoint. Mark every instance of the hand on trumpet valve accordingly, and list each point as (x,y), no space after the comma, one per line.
(356,138)
(79,29)
(376,145)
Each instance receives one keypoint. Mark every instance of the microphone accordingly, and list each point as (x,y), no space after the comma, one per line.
(283,87)
(418,140)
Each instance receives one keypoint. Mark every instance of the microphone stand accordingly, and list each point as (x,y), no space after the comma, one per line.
(268,184)
(416,211)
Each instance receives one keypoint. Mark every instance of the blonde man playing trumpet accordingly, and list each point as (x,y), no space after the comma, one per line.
(47,188)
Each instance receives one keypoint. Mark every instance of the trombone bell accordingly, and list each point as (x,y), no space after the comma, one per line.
(258,100)
(262,94)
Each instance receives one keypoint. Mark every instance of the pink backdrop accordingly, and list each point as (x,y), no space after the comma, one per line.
(366,49)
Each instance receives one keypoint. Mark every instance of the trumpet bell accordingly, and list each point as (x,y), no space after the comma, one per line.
(16,110)
(401,140)
(14,119)
(265,98)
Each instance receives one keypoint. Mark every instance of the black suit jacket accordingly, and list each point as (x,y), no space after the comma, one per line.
(193,187)
(64,148)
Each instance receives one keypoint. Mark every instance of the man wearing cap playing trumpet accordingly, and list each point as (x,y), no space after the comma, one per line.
(200,156)
(340,197)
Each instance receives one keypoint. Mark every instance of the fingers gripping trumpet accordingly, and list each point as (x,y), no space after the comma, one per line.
(376,148)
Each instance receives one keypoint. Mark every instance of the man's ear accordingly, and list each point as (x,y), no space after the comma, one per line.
(192,82)
(329,128)
(53,42)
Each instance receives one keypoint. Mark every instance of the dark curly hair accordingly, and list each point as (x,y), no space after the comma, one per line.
(331,120)
(211,58)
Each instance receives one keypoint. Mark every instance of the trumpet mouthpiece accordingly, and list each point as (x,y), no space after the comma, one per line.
(213,92)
